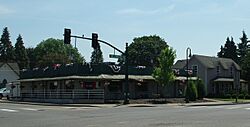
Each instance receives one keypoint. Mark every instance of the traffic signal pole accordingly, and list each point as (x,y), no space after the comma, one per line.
(126,87)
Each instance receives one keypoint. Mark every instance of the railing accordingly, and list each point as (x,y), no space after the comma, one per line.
(63,94)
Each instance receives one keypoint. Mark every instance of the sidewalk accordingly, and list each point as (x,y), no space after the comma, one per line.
(56,104)
(214,102)
(211,102)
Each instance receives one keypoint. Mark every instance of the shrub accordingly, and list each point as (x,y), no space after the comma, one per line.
(191,92)
(227,96)
(200,89)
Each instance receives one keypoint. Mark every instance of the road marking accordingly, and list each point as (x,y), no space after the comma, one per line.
(94,125)
(197,107)
(214,107)
(69,107)
(247,108)
(8,110)
(234,107)
(29,109)
(122,122)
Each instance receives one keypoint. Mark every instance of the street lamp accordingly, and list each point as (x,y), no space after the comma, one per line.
(188,54)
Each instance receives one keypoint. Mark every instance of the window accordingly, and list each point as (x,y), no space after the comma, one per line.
(195,69)
(231,70)
(218,70)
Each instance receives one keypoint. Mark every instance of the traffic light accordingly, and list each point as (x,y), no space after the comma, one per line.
(67,35)
(95,43)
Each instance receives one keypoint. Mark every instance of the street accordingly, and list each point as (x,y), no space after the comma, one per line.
(24,115)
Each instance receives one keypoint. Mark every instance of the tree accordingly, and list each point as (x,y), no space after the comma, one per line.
(201,92)
(6,48)
(164,74)
(53,51)
(246,67)
(145,50)
(96,56)
(21,54)
(31,56)
(243,47)
(191,91)
(221,53)
(229,50)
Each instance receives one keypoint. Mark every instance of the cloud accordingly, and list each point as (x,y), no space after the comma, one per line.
(135,11)
(4,10)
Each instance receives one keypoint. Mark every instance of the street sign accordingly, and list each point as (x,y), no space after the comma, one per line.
(114,56)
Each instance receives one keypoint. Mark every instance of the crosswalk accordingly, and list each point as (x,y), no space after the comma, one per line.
(226,107)
(21,109)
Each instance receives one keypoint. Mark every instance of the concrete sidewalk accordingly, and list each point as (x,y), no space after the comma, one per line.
(214,102)
(211,102)
(56,104)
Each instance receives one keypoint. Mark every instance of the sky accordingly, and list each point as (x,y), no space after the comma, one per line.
(202,25)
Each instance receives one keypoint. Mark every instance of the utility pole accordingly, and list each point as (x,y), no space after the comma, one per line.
(95,45)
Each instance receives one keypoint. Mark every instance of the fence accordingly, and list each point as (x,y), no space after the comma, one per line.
(62,94)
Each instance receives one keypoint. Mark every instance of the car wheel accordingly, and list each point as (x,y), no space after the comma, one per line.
(1,96)
(8,98)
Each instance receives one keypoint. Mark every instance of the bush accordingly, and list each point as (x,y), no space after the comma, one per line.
(227,96)
(200,89)
(191,92)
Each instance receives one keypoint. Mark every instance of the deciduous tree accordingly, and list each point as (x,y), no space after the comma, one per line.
(53,51)
(164,73)
(145,50)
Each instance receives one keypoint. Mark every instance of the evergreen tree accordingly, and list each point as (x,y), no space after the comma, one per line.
(31,56)
(96,56)
(246,67)
(221,53)
(21,54)
(6,48)
(229,50)
(191,91)
(242,47)
(200,88)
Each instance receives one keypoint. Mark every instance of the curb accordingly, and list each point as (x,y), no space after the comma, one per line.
(55,104)
(141,105)
(216,104)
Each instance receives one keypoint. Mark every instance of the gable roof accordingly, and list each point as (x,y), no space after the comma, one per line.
(14,67)
(213,62)
(180,64)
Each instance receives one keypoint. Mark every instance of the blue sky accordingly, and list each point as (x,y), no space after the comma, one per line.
(202,25)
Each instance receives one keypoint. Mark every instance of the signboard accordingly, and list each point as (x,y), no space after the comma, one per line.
(114,56)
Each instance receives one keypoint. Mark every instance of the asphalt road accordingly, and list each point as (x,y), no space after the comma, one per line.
(21,115)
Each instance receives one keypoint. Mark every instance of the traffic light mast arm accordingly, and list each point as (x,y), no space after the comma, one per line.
(87,38)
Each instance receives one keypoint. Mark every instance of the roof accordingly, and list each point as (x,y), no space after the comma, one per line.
(179,64)
(83,70)
(99,77)
(227,80)
(213,62)
(104,77)
(13,66)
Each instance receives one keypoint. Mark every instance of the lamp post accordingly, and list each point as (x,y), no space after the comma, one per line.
(188,54)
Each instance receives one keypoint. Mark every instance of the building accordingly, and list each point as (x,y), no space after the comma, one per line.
(218,74)
(75,83)
(9,74)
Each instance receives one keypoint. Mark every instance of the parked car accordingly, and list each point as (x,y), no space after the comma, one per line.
(4,92)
